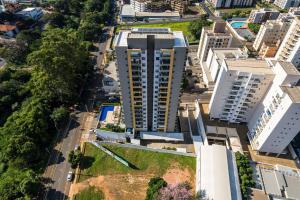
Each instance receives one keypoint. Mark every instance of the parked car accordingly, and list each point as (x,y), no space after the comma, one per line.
(76,147)
(70,176)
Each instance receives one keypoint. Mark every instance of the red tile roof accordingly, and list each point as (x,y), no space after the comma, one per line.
(5,28)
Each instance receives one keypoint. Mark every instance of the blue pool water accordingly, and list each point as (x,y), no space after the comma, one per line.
(237,24)
(104,110)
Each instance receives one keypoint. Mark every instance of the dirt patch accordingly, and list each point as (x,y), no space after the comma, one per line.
(98,182)
(175,175)
(132,186)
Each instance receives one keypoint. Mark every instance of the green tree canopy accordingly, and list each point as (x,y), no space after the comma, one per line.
(196,26)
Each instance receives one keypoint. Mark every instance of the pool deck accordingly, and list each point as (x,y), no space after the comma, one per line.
(112,117)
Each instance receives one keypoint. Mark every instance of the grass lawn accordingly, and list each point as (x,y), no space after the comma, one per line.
(175,26)
(96,162)
(90,193)
(231,10)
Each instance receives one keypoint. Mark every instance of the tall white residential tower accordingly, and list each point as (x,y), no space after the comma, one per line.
(150,64)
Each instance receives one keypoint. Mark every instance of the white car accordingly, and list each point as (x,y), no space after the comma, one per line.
(76,147)
(70,176)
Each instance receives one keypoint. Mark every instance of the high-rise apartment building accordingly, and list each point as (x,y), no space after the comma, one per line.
(231,3)
(217,37)
(270,33)
(159,5)
(286,4)
(240,86)
(150,63)
(277,118)
(293,12)
(262,15)
(289,49)
(214,61)
(139,5)
(179,5)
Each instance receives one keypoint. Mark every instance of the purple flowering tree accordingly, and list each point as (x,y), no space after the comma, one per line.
(180,191)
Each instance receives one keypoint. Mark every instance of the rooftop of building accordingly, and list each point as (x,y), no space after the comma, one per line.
(276,181)
(229,53)
(217,173)
(218,29)
(157,14)
(159,33)
(277,22)
(250,65)
(265,10)
(30,9)
(127,10)
(289,68)
(141,1)
(293,92)
(210,32)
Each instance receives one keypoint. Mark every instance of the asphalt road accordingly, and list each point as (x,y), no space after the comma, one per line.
(58,167)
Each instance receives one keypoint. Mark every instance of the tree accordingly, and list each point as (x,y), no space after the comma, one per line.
(93,5)
(178,191)
(55,19)
(59,66)
(154,185)
(195,27)
(74,158)
(245,173)
(254,27)
(30,184)
(59,116)
(89,31)
(15,54)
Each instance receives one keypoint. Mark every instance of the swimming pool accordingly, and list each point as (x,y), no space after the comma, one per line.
(237,24)
(104,110)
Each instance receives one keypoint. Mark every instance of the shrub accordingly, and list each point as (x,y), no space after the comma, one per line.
(154,185)
(245,173)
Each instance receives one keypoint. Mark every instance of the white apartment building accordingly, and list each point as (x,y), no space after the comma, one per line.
(240,86)
(286,4)
(270,32)
(217,37)
(276,120)
(231,3)
(150,64)
(289,49)
(215,59)
(262,15)
(293,12)
(139,5)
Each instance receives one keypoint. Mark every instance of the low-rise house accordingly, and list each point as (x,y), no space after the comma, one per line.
(8,30)
(31,13)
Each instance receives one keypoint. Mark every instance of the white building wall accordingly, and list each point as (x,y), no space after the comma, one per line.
(237,94)
(220,93)
(144,89)
(289,49)
(138,6)
(156,88)
(275,122)
(213,42)
(283,125)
